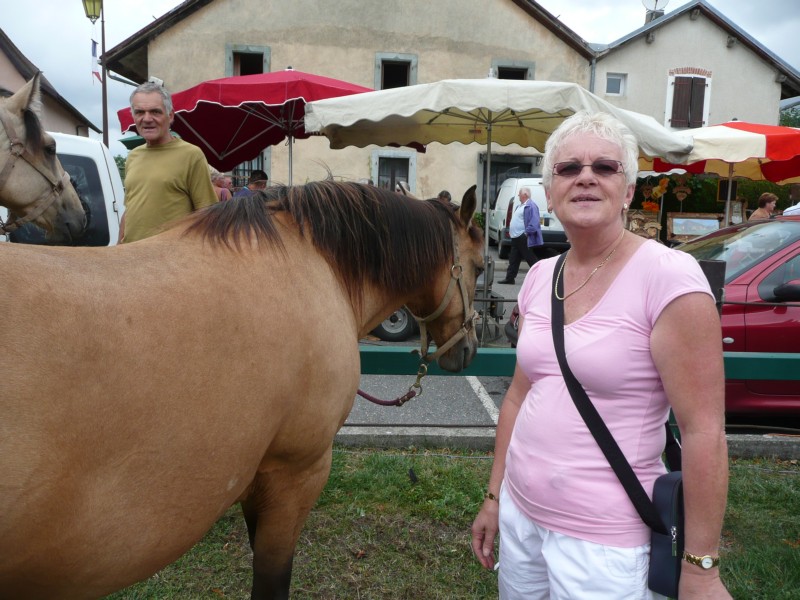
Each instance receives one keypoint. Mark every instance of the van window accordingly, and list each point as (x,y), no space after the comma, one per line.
(84,174)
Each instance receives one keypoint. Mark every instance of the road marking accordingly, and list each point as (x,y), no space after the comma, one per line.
(484,396)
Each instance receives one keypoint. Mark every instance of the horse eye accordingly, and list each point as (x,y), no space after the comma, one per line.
(51,149)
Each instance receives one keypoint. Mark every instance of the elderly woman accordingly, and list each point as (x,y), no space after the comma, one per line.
(766,206)
(220,184)
(642,334)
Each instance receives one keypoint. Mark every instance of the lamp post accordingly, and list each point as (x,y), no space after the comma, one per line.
(94,11)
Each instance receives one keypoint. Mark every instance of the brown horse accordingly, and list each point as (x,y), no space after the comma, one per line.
(148,387)
(33,185)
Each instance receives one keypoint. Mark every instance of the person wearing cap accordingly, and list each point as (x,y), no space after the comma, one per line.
(256,182)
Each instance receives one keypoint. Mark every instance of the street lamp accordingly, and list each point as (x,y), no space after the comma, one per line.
(94,11)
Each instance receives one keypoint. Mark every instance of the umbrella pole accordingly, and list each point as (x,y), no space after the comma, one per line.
(728,199)
(488,187)
(290,159)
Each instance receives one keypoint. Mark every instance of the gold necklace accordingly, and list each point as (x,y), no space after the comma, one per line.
(585,281)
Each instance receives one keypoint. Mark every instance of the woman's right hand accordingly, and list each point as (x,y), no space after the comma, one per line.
(484,532)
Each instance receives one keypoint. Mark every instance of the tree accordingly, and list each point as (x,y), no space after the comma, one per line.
(790,117)
(120,160)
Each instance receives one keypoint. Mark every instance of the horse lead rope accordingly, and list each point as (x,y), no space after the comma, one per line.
(456,272)
(411,393)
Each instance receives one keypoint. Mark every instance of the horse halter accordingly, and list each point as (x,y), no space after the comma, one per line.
(46,200)
(456,280)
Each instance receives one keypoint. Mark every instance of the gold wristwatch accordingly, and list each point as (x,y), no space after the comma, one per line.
(704,562)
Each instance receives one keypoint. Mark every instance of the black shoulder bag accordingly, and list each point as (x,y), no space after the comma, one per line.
(664,514)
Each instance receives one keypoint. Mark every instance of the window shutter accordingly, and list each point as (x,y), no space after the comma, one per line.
(698,98)
(681,98)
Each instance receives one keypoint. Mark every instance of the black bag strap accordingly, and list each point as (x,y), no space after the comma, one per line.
(641,501)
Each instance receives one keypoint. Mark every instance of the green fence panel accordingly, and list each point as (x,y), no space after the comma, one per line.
(500,362)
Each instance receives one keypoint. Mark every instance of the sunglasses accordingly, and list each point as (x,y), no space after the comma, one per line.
(602,168)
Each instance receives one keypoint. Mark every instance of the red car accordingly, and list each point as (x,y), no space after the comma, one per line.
(761,305)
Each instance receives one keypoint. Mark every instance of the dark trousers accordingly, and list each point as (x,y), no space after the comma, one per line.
(519,250)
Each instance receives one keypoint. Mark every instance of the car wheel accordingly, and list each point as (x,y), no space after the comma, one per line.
(503,251)
(397,328)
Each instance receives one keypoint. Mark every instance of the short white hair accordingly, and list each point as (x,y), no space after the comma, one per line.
(604,126)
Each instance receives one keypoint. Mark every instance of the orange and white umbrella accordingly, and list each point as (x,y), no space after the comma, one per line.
(739,149)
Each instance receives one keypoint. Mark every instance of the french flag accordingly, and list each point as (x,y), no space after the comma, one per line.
(95,63)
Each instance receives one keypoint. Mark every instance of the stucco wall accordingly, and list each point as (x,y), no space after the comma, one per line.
(451,39)
(54,116)
(742,85)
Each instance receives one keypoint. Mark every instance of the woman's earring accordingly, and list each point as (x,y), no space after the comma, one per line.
(625,206)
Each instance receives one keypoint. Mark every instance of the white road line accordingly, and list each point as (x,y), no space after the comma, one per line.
(484,396)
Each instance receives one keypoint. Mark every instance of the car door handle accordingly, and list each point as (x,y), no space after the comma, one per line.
(727,340)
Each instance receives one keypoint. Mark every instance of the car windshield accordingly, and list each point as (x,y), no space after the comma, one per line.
(742,247)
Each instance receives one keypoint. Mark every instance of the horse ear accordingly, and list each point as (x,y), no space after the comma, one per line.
(468,204)
(28,97)
(401,187)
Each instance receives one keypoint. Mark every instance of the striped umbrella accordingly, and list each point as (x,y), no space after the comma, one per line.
(739,149)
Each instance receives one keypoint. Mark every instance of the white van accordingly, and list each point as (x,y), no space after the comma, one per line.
(503,207)
(96,177)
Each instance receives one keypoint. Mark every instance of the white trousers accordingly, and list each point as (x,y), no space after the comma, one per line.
(539,564)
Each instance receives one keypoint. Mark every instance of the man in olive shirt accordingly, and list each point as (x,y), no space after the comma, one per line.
(166,178)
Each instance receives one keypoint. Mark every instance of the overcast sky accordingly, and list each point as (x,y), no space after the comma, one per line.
(56,37)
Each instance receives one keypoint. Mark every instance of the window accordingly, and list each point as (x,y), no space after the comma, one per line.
(511,73)
(787,272)
(503,167)
(688,101)
(395,70)
(615,84)
(241,173)
(246,60)
(389,167)
(521,70)
(84,173)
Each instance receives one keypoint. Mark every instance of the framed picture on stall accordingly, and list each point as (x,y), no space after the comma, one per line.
(682,227)
(737,212)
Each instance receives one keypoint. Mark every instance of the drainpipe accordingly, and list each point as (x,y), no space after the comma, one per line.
(592,73)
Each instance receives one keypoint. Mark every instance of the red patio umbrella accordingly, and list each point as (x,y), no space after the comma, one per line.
(234,118)
(740,149)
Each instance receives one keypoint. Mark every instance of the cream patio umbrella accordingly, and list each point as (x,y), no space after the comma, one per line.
(483,111)
(480,111)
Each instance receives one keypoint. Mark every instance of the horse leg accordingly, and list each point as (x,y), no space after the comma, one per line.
(275,512)
(250,513)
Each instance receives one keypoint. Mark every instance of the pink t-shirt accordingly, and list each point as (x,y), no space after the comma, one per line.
(555,472)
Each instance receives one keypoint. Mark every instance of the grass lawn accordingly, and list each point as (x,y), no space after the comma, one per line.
(395,525)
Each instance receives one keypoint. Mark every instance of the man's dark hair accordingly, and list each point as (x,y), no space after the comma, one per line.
(257,175)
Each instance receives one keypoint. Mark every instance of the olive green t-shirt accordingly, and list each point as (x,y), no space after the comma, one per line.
(164,183)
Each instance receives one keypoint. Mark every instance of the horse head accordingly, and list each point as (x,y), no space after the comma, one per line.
(33,184)
(449,305)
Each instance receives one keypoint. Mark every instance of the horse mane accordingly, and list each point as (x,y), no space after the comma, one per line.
(359,229)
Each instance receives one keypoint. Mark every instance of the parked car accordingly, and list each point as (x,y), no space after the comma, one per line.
(502,207)
(760,310)
(761,305)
